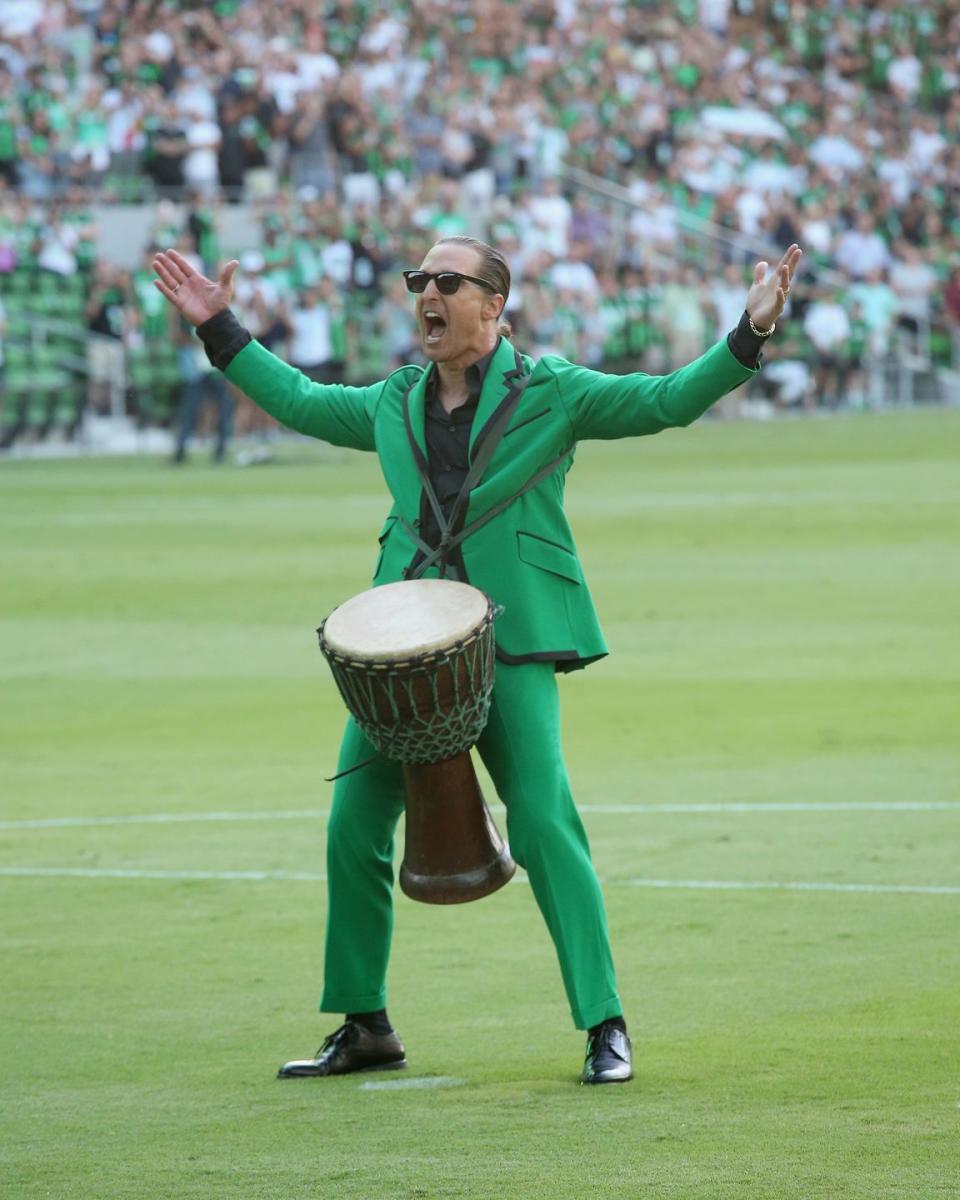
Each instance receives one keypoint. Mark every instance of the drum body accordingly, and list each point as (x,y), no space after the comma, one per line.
(415,665)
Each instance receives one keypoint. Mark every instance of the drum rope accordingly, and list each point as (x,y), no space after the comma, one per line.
(425,709)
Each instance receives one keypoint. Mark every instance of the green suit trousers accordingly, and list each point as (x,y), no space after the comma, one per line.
(520,747)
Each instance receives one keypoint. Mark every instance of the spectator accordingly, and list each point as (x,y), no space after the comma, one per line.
(310,344)
(397,327)
(683,318)
(550,211)
(311,150)
(200,165)
(108,297)
(725,296)
(862,250)
(200,382)
(878,306)
(166,149)
(827,326)
(914,281)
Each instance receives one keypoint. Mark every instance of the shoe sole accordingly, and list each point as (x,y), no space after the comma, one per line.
(391,1066)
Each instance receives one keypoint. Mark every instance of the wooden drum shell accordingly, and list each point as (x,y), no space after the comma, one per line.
(426,712)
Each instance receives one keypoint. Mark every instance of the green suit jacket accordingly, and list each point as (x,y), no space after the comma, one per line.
(525,557)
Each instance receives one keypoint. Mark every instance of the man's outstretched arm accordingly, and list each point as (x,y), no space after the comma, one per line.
(334,413)
(615,406)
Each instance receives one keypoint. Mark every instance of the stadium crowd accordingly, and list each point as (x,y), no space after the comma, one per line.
(358,132)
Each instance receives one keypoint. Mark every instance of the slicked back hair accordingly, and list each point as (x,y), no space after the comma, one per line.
(493,268)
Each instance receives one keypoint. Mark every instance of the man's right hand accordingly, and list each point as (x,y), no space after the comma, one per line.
(195,297)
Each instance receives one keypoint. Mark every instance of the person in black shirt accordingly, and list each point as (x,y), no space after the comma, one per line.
(166,150)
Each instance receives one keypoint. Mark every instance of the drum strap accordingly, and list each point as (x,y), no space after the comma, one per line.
(350,770)
(449,540)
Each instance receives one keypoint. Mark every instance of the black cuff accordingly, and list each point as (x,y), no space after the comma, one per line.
(223,338)
(744,344)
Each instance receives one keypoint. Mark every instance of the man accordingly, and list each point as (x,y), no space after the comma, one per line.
(477,399)
(827,326)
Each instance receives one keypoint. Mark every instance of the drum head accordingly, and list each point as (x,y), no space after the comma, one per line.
(398,621)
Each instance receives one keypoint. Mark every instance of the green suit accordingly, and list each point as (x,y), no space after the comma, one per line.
(525,559)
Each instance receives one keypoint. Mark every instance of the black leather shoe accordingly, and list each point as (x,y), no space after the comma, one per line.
(609,1057)
(350,1048)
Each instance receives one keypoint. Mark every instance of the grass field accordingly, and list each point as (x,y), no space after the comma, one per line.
(768,766)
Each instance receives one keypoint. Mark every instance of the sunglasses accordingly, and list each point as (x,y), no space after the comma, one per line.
(447,282)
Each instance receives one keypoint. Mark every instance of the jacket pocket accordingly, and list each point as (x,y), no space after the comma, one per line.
(548,556)
(382,539)
(520,424)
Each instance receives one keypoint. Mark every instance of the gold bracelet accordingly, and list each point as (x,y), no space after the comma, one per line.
(760,333)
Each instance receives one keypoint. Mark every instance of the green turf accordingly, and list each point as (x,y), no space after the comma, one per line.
(781,602)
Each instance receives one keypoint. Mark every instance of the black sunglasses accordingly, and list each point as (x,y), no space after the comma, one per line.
(447,282)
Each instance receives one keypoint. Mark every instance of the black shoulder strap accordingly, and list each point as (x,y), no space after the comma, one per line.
(488,447)
(423,468)
(433,556)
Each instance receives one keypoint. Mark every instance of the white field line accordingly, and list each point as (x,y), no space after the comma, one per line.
(420,1081)
(708,885)
(303,814)
(311,814)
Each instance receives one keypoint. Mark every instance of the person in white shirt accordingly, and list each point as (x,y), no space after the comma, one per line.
(310,343)
(914,281)
(862,250)
(726,299)
(827,325)
(551,210)
(314,65)
(834,150)
(904,75)
(200,168)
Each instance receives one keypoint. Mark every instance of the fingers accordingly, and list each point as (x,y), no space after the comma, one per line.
(791,260)
(226,275)
(180,263)
(168,292)
(166,271)
(760,272)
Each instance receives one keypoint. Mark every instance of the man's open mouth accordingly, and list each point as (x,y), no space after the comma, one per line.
(434,326)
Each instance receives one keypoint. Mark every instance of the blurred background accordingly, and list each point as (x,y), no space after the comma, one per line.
(631,160)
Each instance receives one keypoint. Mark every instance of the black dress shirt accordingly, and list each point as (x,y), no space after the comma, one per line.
(448,434)
(448,455)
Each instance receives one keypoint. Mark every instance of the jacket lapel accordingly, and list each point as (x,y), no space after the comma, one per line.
(498,391)
(415,403)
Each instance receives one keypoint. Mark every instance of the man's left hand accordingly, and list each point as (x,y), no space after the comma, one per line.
(767,296)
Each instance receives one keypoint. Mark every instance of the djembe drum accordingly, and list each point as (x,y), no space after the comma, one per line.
(414,663)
